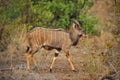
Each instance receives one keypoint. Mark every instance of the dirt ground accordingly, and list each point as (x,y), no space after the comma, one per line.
(86,57)
(61,71)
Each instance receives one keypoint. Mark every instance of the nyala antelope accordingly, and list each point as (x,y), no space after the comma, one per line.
(52,39)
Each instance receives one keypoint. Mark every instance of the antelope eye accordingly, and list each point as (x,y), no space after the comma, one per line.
(79,28)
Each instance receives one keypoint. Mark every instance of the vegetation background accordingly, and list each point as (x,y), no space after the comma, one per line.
(99,54)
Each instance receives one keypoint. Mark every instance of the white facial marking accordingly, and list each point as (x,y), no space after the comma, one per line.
(56,51)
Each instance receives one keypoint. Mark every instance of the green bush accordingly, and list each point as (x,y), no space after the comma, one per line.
(45,13)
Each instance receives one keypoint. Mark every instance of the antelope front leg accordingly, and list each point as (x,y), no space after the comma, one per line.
(51,66)
(70,61)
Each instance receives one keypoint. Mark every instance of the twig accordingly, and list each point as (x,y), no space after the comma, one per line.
(6,69)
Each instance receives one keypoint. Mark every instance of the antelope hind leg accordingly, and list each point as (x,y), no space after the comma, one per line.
(35,63)
(28,60)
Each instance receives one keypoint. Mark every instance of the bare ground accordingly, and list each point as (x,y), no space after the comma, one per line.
(16,70)
(93,58)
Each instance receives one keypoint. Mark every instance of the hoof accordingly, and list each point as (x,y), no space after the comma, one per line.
(74,70)
(28,69)
(35,68)
(50,70)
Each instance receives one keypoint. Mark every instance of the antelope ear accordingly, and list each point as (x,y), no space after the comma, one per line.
(75,25)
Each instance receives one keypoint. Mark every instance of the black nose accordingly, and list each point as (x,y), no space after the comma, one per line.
(80,35)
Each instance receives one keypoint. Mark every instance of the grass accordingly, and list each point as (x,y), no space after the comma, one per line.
(100,59)
(99,56)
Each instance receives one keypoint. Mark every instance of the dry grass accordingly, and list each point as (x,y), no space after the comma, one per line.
(94,58)
(102,55)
